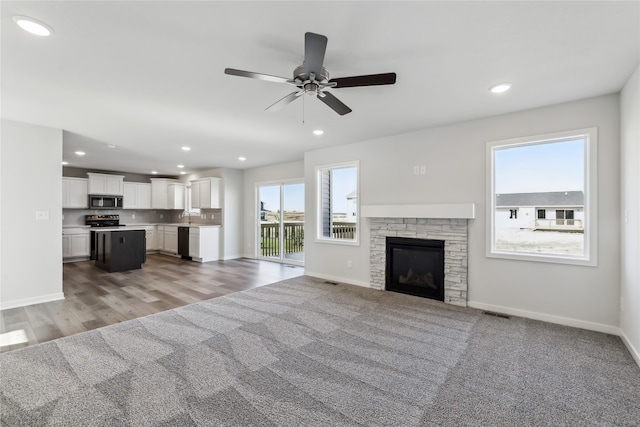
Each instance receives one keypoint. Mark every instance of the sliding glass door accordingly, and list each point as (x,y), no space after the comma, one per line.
(281,222)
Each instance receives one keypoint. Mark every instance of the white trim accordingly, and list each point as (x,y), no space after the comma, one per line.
(590,258)
(337,279)
(227,257)
(559,320)
(635,353)
(456,211)
(5,305)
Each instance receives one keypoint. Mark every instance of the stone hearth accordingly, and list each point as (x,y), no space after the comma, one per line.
(452,231)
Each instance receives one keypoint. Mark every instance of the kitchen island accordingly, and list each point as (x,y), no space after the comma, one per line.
(120,249)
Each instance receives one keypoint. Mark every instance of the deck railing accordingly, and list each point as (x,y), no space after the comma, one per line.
(270,238)
(294,236)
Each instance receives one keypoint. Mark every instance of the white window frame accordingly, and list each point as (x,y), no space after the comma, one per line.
(318,209)
(589,258)
(187,201)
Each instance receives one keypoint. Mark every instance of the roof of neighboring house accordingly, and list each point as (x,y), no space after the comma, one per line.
(555,198)
(353,195)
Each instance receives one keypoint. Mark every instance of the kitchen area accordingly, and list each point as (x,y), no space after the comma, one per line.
(115,219)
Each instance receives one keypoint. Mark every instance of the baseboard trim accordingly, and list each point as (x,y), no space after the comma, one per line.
(5,305)
(566,321)
(634,351)
(337,279)
(228,257)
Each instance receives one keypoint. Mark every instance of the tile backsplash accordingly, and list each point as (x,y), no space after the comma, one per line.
(144,216)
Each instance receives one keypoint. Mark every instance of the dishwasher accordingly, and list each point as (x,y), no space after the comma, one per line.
(183,242)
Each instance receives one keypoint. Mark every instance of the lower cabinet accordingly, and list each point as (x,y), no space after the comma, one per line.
(204,243)
(75,243)
(170,239)
(152,237)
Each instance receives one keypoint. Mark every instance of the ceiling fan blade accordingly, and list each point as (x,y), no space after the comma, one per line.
(259,76)
(315,45)
(334,103)
(368,80)
(284,101)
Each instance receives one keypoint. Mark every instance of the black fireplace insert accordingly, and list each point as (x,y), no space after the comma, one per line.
(416,267)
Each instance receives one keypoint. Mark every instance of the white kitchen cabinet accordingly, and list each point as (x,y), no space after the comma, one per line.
(204,243)
(175,196)
(160,237)
(75,243)
(102,183)
(151,236)
(171,239)
(137,195)
(75,193)
(205,193)
(163,197)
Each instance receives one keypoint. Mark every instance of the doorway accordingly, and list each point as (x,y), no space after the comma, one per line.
(280,225)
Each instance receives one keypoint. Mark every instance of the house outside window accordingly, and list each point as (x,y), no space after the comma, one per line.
(337,203)
(542,198)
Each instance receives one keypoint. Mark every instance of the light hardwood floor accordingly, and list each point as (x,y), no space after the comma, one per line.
(95,298)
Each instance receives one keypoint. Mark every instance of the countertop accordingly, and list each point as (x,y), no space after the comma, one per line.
(138,226)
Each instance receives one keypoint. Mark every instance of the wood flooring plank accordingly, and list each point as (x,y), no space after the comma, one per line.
(95,298)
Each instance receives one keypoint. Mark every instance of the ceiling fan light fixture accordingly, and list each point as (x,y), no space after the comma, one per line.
(33,26)
(500,87)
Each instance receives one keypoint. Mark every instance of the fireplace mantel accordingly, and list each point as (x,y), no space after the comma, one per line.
(455,211)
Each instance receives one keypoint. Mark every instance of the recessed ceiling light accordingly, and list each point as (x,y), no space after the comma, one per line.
(154,172)
(500,88)
(33,26)
(111,146)
(242,158)
(182,172)
(65,163)
(80,153)
(180,166)
(318,132)
(185,148)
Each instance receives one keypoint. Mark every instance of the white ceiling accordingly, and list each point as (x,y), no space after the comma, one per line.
(149,77)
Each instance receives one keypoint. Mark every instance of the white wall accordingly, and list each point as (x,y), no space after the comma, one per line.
(630,208)
(31,181)
(268,174)
(455,159)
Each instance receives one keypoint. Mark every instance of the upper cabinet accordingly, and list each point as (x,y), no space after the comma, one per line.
(137,195)
(75,193)
(100,183)
(167,194)
(175,195)
(205,193)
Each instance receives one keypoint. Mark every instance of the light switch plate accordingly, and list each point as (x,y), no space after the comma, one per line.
(42,215)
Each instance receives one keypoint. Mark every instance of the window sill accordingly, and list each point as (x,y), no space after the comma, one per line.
(338,242)
(548,258)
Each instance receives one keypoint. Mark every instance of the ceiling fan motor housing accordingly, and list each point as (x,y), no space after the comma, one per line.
(298,73)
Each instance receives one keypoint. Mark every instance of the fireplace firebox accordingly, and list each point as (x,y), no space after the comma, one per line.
(415,266)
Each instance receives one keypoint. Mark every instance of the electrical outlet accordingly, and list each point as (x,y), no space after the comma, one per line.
(423,170)
(161,216)
(42,215)
(133,216)
(416,170)
(349,263)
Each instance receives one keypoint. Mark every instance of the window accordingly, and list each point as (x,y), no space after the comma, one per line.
(542,198)
(337,214)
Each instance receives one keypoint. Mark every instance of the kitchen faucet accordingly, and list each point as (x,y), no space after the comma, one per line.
(189,214)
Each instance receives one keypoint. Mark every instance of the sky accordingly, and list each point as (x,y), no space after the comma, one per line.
(345,180)
(557,166)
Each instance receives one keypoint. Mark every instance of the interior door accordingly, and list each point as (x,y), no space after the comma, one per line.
(281,222)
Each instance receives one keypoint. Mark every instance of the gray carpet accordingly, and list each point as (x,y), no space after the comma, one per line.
(305,353)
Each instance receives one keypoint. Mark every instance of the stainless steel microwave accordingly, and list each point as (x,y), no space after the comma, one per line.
(105,202)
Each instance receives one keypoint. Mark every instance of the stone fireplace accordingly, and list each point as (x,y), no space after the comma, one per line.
(452,230)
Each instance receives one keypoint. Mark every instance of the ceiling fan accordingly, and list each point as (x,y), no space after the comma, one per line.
(312,78)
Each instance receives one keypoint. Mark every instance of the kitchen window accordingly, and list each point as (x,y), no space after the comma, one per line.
(542,198)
